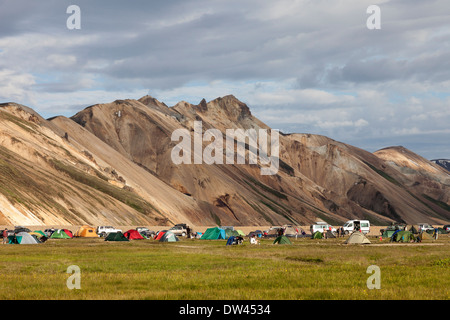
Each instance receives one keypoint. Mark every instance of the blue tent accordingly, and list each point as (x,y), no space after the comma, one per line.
(230,241)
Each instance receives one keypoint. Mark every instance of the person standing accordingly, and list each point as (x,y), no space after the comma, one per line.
(5,236)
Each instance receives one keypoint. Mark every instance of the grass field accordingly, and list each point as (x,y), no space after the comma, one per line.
(201,269)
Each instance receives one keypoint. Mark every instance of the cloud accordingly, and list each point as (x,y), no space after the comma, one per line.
(301,65)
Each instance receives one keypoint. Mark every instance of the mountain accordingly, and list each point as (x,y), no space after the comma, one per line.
(112,164)
(444,163)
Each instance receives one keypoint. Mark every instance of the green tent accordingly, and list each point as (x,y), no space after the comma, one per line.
(60,234)
(214,234)
(387,233)
(317,235)
(282,240)
(23,238)
(116,236)
(403,236)
(40,232)
(229,233)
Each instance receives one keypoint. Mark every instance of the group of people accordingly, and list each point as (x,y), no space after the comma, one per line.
(340,232)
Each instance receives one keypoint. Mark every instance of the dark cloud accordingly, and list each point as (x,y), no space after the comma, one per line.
(303,57)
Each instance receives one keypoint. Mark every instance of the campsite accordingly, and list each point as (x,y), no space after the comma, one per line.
(299,268)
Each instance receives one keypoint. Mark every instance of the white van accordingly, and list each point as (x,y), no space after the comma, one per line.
(321,227)
(353,225)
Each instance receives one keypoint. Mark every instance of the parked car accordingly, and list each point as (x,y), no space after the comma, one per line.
(179,230)
(145,231)
(353,225)
(103,231)
(18,229)
(423,227)
(321,227)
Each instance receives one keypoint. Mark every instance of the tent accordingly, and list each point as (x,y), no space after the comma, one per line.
(290,231)
(282,240)
(86,231)
(387,233)
(214,234)
(425,236)
(38,233)
(403,236)
(330,234)
(240,233)
(23,238)
(68,232)
(317,235)
(257,233)
(357,238)
(169,237)
(116,236)
(412,228)
(230,240)
(133,235)
(229,233)
(160,234)
(60,234)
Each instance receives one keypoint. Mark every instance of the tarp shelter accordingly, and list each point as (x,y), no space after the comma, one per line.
(23,238)
(169,237)
(214,234)
(60,234)
(87,232)
(357,238)
(317,235)
(116,236)
(403,236)
(133,235)
(282,240)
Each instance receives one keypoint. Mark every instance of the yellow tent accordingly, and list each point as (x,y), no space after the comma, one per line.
(86,231)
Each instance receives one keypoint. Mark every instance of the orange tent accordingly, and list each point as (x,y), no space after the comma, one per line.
(86,231)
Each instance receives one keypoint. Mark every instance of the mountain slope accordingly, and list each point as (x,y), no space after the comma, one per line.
(111,164)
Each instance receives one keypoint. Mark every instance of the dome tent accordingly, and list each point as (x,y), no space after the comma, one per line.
(357,238)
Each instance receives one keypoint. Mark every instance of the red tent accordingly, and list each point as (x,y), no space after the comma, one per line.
(133,235)
(160,234)
(68,232)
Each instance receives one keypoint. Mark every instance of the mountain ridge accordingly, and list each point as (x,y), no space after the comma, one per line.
(111,165)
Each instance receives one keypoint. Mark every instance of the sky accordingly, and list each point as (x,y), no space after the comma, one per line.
(305,66)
